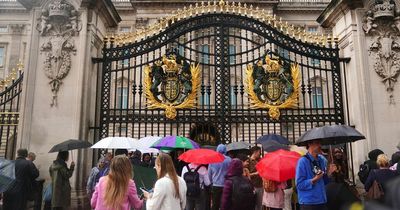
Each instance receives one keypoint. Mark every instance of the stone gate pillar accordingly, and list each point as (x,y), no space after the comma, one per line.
(60,78)
(369,34)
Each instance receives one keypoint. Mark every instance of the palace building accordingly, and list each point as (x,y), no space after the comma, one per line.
(217,72)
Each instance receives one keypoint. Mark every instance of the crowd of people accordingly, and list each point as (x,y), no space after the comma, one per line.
(320,182)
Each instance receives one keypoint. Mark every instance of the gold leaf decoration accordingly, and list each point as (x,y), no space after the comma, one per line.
(169,108)
(274,110)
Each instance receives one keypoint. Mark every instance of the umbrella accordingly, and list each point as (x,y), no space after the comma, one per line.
(148,141)
(301,150)
(331,135)
(70,144)
(7,174)
(278,166)
(116,143)
(175,142)
(273,137)
(238,145)
(201,156)
(272,145)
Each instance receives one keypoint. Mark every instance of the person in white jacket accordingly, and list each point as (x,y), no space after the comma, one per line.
(169,190)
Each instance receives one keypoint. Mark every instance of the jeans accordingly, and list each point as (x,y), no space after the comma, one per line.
(216,193)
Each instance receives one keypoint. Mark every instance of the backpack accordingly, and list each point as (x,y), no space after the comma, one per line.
(192,179)
(270,185)
(243,196)
(363,172)
(375,192)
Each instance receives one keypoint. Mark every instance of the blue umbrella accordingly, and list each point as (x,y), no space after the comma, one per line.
(271,146)
(7,174)
(273,137)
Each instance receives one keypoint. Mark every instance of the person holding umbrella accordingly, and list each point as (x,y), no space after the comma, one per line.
(16,197)
(61,188)
(311,178)
(255,177)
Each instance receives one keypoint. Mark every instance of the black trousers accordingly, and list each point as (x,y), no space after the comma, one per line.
(216,194)
(14,201)
(313,207)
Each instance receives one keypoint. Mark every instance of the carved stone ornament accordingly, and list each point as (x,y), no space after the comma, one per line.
(382,24)
(57,24)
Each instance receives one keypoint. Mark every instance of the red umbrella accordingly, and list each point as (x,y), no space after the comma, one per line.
(278,166)
(201,156)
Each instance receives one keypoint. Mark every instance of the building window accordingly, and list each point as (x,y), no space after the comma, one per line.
(204,55)
(287,128)
(312,29)
(2,56)
(122,98)
(233,97)
(317,97)
(3,29)
(125,62)
(283,53)
(125,29)
(315,62)
(181,50)
(232,52)
(122,129)
(205,100)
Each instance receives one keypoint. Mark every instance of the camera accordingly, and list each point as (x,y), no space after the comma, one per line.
(316,170)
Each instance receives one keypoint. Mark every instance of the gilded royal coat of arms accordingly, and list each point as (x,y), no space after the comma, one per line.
(172,83)
(273,85)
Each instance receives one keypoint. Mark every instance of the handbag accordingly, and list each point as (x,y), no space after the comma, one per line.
(48,192)
(375,192)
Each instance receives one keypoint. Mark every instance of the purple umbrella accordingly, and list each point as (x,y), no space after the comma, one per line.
(175,142)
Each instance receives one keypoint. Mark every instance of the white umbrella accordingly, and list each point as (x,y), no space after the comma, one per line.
(148,141)
(116,143)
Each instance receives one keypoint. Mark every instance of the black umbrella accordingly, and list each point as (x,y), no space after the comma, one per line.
(238,145)
(70,144)
(271,146)
(331,135)
(7,174)
(273,137)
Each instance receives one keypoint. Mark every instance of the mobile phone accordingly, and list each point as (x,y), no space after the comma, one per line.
(143,189)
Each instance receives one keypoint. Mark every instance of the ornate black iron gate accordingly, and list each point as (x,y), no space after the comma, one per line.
(11,87)
(224,40)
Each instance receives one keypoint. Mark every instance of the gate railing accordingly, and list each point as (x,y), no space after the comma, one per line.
(11,87)
(224,39)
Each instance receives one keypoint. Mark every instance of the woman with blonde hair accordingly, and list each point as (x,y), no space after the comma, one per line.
(381,175)
(117,190)
(169,190)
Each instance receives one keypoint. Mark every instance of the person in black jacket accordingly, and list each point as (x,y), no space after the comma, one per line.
(25,173)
